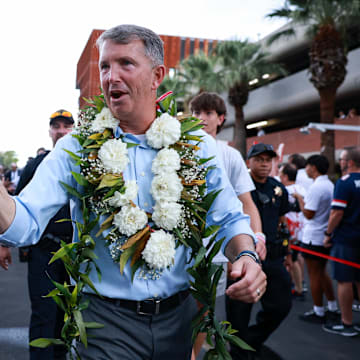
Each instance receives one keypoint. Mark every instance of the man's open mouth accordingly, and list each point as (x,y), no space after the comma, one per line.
(117,94)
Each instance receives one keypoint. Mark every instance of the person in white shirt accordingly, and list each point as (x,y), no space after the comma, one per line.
(211,109)
(316,209)
(295,223)
(302,178)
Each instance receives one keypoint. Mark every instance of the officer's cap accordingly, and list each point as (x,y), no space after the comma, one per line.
(261,148)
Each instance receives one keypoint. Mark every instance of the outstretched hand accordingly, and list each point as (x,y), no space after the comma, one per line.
(251,281)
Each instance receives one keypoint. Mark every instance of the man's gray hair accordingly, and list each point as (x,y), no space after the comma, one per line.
(124,34)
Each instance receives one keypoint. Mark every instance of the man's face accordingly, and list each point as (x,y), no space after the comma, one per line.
(310,170)
(58,129)
(128,79)
(13,166)
(210,119)
(283,178)
(344,163)
(260,165)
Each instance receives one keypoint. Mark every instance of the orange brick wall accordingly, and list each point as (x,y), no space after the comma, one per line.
(296,142)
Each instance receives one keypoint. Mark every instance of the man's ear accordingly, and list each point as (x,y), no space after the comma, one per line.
(158,76)
(221,119)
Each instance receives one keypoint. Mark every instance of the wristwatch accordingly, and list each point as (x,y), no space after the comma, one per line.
(249,253)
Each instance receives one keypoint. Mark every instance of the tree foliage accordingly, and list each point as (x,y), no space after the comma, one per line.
(8,157)
(326,24)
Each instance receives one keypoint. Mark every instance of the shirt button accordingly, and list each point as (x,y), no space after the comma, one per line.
(142,173)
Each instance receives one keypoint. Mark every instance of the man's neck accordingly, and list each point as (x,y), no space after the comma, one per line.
(137,124)
(353,170)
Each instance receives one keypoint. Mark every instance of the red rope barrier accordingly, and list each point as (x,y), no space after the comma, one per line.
(342,261)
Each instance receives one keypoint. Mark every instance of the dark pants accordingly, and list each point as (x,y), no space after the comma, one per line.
(131,336)
(46,317)
(276,304)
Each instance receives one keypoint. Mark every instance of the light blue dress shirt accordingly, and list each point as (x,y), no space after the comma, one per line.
(44,195)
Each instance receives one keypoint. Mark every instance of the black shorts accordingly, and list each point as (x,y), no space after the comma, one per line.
(342,272)
(317,248)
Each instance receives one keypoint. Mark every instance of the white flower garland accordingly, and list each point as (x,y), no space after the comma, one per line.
(166,187)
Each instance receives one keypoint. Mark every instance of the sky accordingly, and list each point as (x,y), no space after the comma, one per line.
(42,42)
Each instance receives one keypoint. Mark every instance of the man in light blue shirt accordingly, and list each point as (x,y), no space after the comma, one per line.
(131,69)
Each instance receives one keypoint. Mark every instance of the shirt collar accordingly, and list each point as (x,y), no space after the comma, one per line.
(321,178)
(128,137)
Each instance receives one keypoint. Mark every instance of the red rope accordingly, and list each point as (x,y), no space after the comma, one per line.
(342,261)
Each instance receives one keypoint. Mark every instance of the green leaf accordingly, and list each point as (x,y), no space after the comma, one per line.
(211,230)
(237,341)
(63,251)
(88,253)
(74,295)
(59,302)
(205,160)
(209,199)
(80,179)
(125,256)
(44,342)
(110,180)
(88,282)
(52,293)
(130,145)
(73,156)
(134,268)
(187,125)
(71,190)
(199,257)
(215,249)
(93,325)
(81,326)
(63,289)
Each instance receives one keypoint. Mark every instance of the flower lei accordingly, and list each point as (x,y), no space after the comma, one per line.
(148,240)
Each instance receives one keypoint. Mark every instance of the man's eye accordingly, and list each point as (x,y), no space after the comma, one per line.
(104,66)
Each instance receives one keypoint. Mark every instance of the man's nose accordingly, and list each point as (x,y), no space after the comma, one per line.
(114,74)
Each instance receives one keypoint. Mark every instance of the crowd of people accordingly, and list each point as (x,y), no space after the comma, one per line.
(262,219)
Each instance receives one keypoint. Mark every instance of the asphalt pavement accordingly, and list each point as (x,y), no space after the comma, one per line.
(293,340)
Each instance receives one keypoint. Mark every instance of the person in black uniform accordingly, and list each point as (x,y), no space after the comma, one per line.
(46,317)
(271,199)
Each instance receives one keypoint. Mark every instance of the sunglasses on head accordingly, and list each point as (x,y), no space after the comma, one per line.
(61,113)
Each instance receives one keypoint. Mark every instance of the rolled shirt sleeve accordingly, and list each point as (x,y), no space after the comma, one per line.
(41,199)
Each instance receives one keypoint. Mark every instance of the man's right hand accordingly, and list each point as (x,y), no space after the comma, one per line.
(5,257)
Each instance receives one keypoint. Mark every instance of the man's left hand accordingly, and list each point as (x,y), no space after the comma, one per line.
(251,283)
(327,241)
(260,248)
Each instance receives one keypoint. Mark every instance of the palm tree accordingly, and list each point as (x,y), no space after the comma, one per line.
(243,62)
(202,72)
(326,24)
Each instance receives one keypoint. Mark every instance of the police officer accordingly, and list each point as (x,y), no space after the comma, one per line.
(271,199)
(46,317)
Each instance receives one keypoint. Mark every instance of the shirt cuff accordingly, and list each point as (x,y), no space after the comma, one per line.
(11,236)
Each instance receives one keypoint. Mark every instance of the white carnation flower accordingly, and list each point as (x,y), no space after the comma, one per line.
(104,120)
(130,193)
(167,160)
(164,131)
(130,219)
(113,155)
(166,187)
(159,251)
(167,214)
